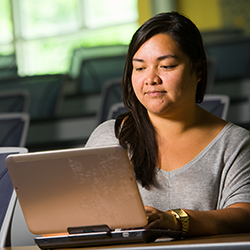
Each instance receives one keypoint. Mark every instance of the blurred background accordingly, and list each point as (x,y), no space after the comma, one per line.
(66,58)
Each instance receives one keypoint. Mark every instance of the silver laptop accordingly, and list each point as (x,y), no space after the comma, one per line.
(81,196)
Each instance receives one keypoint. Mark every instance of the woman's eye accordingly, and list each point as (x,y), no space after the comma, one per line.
(168,66)
(139,69)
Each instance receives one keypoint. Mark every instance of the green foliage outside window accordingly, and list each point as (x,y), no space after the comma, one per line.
(6,32)
(50,30)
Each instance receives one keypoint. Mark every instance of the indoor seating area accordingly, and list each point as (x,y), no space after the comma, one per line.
(55,110)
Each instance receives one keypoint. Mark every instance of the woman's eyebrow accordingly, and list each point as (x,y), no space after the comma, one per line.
(137,60)
(160,58)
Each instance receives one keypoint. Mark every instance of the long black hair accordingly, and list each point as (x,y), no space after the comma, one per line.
(134,128)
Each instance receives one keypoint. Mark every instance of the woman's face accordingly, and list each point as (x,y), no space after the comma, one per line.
(162,77)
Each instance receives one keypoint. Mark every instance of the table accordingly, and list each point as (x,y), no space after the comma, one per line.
(221,242)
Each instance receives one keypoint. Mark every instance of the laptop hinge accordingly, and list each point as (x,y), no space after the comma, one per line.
(88,229)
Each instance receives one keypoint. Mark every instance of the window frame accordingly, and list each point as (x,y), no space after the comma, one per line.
(20,42)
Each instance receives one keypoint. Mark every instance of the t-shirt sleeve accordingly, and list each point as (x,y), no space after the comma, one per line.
(235,178)
(103,135)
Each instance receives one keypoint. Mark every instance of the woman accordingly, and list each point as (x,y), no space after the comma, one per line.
(183,156)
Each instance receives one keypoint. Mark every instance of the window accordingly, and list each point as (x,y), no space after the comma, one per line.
(107,13)
(6,38)
(44,18)
(47,31)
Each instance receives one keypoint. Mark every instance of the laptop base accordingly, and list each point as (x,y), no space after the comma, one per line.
(105,238)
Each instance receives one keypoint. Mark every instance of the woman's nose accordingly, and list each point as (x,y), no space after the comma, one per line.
(152,78)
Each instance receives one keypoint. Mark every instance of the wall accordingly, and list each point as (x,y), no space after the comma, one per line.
(205,14)
(148,8)
(236,14)
(145,10)
(194,9)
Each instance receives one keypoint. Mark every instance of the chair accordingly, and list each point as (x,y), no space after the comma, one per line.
(232,57)
(111,94)
(115,110)
(45,93)
(14,129)
(7,195)
(95,72)
(217,35)
(14,101)
(85,53)
(216,104)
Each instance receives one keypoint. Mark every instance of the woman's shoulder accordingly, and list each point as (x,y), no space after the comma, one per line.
(109,124)
(103,135)
(233,138)
(237,132)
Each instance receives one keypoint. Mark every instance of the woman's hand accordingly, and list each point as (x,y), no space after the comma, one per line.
(161,219)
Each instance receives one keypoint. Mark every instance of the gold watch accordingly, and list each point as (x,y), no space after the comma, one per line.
(183,217)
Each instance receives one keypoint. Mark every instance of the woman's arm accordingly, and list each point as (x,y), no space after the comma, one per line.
(233,219)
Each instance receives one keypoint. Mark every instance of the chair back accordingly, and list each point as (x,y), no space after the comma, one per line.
(14,129)
(85,53)
(111,94)
(231,56)
(216,104)
(45,93)
(95,72)
(14,101)
(115,110)
(7,195)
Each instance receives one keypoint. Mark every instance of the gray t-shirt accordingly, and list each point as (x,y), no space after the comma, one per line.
(217,177)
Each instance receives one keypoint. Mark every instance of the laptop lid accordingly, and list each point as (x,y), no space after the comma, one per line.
(76,187)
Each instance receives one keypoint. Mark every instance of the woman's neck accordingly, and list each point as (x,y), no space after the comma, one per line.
(177,125)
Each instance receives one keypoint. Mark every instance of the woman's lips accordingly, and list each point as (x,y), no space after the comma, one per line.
(155,93)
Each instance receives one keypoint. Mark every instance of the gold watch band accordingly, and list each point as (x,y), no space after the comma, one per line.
(183,217)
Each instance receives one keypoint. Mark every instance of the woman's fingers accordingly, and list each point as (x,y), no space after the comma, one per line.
(159,219)
(152,213)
